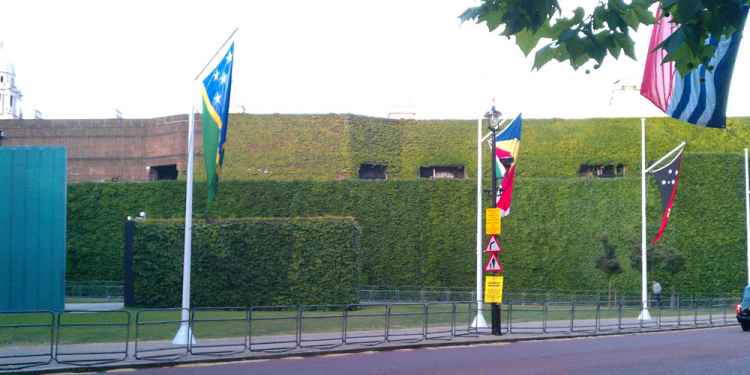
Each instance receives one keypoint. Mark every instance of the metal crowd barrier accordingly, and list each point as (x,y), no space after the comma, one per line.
(265,320)
(400,323)
(26,326)
(319,335)
(359,325)
(77,349)
(219,331)
(155,330)
(86,338)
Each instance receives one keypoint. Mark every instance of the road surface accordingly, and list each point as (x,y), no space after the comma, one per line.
(704,351)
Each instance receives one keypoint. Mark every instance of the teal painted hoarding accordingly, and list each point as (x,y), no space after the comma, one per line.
(32,228)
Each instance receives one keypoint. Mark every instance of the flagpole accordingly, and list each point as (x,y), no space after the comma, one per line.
(747,213)
(479,321)
(667,155)
(184,335)
(217,53)
(644,315)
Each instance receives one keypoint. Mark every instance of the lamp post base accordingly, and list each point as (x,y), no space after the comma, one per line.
(644,315)
(181,338)
(479,321)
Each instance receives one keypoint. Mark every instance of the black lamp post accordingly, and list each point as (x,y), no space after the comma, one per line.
(493,116)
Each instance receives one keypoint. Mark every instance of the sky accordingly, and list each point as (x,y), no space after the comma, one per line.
(84,59)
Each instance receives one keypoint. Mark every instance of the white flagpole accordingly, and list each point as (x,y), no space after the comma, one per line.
(181,338)
(479,321)
(644,315)
(747,213)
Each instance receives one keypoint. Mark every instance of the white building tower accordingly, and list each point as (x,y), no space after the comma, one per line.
(10,96)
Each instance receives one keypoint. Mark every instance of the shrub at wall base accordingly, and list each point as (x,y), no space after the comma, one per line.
(248,262)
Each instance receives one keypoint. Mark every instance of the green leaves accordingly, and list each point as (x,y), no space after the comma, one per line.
(246,262)
(527,41)
(589,38)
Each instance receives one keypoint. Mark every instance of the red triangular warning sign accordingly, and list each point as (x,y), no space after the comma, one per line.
(493,246)
(493,265)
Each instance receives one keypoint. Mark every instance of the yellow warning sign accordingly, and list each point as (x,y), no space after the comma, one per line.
(493,289)
(492,220)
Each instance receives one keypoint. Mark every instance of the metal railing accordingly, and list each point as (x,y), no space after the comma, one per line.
(85,338)
(94,290)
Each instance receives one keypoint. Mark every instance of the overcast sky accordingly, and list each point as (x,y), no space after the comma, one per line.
(371,57)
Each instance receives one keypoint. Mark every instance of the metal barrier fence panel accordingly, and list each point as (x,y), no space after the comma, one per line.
(668,314)
(527,317)
(703,312)
(87,338)
(721,308)
(440,321)
(155,330)
(631,310)
(274,329)
(94,290)
(322,326)
(610,317)
(26,339)
(369,296)
(365,324)
(466,312)
(220,331)
(558,317)
(584,317)
(689,318)
(406,322)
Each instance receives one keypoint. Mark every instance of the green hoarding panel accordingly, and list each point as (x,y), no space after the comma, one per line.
(32,228)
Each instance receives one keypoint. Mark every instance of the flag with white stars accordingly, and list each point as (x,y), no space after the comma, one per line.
(216,92)
(667,178)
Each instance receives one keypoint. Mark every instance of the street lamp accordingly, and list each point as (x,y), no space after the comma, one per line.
(493,116)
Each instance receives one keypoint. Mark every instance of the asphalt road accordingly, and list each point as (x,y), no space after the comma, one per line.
(704,351)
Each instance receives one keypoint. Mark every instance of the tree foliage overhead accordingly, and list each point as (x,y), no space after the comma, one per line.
(585,37)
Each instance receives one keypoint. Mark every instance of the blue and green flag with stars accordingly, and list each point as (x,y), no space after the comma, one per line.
(216,89)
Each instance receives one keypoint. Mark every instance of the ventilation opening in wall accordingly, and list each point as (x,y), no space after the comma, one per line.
(372,171)
(604,171)
(163,172)
(442,171)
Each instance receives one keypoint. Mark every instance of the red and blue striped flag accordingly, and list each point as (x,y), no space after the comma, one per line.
(700,97)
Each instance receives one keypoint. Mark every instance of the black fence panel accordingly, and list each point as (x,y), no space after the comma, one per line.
(220,331)
(26,339)
(322,326)
(274,329)
(406,322)
(156,334)
(464,323)
(366,324)
(440,321)
(86,338)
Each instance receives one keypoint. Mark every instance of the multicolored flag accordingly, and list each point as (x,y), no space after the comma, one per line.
(700,97)
(506,154)
(667,178)
(216,91)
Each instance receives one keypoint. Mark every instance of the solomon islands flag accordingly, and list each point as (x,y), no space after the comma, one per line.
(216,90)
(700,97)
(506,154)
(667,178)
